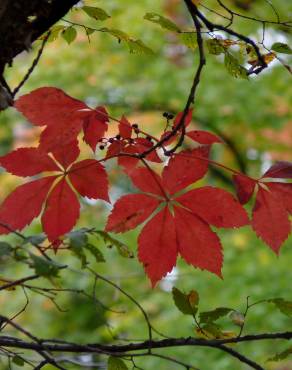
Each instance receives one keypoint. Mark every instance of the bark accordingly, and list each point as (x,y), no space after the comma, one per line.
(23,21)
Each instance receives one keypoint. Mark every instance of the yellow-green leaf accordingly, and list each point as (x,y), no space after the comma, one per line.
(162,21)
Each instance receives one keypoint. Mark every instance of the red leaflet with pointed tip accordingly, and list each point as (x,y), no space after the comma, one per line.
(95,126)
(147,181)
(203,137)
(270,219)
(128,163)
(27,162)
(185,168)
(197,243)
(67,154)
(61,211)
(90,179)
(130,211)
(114,149)
(48,106)
(157,246)
(283,192)
(125,128)
(187,120)
(281,170)
(215,206)
(142,145)
(244,187)
(24,204)
(54,136)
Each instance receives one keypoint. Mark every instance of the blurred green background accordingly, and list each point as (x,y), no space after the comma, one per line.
(255,115)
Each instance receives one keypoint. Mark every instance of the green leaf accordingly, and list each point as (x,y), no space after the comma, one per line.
(189,39)
(95,252)
(282,355)
(17,360)
(69,34)
(233,67)
(89,31)
(138,47)
(120,35)
(44,267)
(5,249)
(54,32)
(96,13)
(211,316)
(284,306)
(215,46)
(115,363)
(186,303)
(162,21)
(123,250)
(78,238)
(279,47)
(35,239)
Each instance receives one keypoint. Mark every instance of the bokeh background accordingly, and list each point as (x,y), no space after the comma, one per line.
(254,116)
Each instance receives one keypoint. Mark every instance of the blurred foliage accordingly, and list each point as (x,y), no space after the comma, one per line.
(255,114)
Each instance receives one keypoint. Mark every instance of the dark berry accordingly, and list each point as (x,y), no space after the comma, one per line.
(118,137)
(101,147)
(135,125)
(165,114)
(170,116)
(111,140)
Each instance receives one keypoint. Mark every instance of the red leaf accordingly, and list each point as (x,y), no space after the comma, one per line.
(215,206)
(185,168)
(48,106)
(244,187)
(63,133)
(147,181)
(187,120)
(130,211)
(283,192)
(95,126)
(27,162)
(270,219)
(128,163)
(142,145)
(281,170)
(203,137)
(114,149)
(197,243)
(24,204)
(90,179)
(125,128)
(170,140)
(157,246)
(61,211)
(67,154)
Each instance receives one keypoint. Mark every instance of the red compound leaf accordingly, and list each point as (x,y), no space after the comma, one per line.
(270,219)
(48,106)
(281,170)
(95,126)
(61,211)
(24,204)
(147,181)
(215,206)
(185,168)
(244,187)
(157,246)
(27,162)
(197,243)
(90,179)
(130,211)
(125,128)
(67,154)
(203,137)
